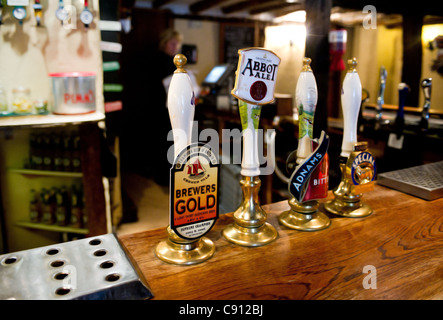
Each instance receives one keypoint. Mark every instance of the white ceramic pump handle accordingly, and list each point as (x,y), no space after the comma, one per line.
(181,105)
(306,97)
(350,102)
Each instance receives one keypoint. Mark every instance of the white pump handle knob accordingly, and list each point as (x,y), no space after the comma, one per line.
(306,99)
(181,105)
(350,102)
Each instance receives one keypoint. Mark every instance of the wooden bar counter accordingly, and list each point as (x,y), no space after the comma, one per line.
(402,239)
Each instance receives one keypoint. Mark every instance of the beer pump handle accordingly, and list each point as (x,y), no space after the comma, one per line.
(250,166)
(350,100)
(306,100)
(181,105)
(381,92)
(403,90)
(426,85)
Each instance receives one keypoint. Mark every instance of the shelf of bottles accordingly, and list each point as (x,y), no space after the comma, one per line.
(57,208)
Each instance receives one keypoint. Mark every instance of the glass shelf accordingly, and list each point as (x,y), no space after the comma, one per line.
(49,120)
(52,227)
(49,173)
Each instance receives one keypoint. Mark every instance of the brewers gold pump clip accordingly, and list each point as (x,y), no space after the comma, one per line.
(309,180)
(193,181)
(254,86)
(358,167)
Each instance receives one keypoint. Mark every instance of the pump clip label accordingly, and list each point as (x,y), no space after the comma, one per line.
(299,181)
(256,76)
(194,191)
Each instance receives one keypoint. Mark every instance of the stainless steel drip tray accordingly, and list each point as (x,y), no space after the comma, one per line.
(425,181)
(95,268)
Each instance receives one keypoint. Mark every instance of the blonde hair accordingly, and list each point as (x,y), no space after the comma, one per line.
(167,35)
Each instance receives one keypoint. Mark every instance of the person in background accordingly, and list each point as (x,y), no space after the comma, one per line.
(146,122)
(163,67)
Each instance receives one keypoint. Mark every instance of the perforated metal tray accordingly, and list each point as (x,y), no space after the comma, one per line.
(425,181)
(95,268)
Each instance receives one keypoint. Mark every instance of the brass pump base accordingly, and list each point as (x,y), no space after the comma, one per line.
(250,237)
(304,216)
(347,203)
(348,209)
(176,250)
(250,228)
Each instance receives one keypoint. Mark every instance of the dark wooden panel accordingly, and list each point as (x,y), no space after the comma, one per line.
(92,178)
(412,56)
(318,14)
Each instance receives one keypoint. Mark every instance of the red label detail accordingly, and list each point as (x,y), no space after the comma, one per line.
(87,97)
(258,90)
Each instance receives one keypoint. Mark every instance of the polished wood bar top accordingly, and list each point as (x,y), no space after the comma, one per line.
(401,243)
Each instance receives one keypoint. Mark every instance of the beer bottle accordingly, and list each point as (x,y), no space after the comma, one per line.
(67,156)
(37,158)
(34,207)
(75,153)
(76,219)
(47,152)
(48,214)
(58,152)
(60,210)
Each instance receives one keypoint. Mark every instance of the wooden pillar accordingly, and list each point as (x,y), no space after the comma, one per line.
(412,56)
(93,189)
(318,14)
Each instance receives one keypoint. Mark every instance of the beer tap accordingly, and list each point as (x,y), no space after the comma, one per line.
(38,12)
(254,86)
(426,85)
(381,97)
(403,90)
(309,181)
(396,138)
(356,163)
(177,248)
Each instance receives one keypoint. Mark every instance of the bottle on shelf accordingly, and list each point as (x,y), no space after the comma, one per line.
(47,151)
(61,210)
(76,207)
(21,101)
(36,157)
(35,212)
(48,212)
(67,154)
(57,143)
(75,152)
(58,151)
